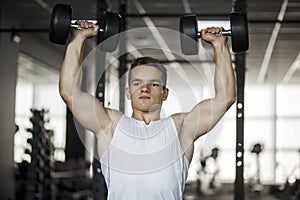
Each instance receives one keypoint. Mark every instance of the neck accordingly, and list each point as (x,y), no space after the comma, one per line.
(147,117)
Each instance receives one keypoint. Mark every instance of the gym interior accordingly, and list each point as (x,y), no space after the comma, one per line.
(255,151)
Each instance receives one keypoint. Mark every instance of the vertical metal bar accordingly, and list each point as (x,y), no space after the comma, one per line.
(123,57)
(240,63)
(275,134)
(74,145)
(239,178)
(99,186)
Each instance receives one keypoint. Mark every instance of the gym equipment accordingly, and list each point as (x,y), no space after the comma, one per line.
(190,33)
(61,24)
(37,181)
(255,184)
(209,182)
(72,180)
(291,190)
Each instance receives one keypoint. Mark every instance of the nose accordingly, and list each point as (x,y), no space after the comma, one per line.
(145,88)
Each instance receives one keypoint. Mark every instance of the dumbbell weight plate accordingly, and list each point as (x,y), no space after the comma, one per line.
(239,32)
(111,24)
(60,24)
(188,36)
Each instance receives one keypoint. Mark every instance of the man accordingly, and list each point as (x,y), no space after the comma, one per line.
(143,156)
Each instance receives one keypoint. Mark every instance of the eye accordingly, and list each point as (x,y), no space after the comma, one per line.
(155,84)
(136,83)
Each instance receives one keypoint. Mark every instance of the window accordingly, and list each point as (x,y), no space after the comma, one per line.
(37,88)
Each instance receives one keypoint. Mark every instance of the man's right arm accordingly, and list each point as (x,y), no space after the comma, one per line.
(86,108)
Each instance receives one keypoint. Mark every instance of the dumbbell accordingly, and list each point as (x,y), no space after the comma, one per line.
(61,23)
(190,33)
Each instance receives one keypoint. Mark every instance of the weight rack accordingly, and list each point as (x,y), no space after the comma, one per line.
(36,175)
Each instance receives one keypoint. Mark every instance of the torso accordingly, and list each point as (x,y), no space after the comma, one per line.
(186,144)
(146,155)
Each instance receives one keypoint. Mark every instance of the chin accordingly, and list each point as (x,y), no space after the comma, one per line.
(153,108)
(144,109)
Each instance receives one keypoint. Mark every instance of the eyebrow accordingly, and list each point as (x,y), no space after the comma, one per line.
(151,80)
(133,80)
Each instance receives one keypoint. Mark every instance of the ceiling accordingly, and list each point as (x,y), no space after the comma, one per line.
(35,71)
(274,28)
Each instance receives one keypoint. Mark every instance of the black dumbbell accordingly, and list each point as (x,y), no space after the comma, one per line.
(61,23)
(190,33)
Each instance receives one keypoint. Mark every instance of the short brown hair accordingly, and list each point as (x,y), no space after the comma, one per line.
(149,61)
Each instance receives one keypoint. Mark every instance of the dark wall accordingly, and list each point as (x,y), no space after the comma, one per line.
(8,75)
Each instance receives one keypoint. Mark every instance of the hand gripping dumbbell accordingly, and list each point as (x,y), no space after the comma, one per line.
(190,33)
(61,23)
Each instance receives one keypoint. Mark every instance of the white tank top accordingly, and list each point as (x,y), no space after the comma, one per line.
(145,162)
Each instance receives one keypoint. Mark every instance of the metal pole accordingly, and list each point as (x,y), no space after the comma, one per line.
(122,58)
(240,65)
(98,182)
(239,178)
(275,133)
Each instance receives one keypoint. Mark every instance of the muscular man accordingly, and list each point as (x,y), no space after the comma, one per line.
(144,156)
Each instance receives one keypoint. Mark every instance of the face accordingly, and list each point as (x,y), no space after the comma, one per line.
(146,90)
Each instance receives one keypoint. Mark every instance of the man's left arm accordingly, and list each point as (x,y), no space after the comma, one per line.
(205,115)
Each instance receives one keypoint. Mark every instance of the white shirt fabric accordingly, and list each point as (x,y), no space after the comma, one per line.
(145,162)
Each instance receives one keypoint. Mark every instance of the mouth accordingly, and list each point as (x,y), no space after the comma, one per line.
(144,97)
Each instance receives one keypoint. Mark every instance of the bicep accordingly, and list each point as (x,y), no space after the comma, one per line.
(89,112)
(203,117)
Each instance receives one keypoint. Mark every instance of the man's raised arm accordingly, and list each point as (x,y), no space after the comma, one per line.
(207,113)
(86,108)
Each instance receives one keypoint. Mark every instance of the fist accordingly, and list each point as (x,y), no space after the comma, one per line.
(86,30)
(212,35)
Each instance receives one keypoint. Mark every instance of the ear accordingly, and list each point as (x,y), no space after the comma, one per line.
(165,94)
(128,95)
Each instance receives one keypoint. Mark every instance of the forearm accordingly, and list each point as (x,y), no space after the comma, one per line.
(224,76)
(70,75)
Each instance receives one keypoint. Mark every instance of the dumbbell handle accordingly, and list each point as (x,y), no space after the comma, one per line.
(223,32)
(75,25)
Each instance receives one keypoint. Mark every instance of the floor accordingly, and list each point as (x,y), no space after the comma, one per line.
(226,193)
